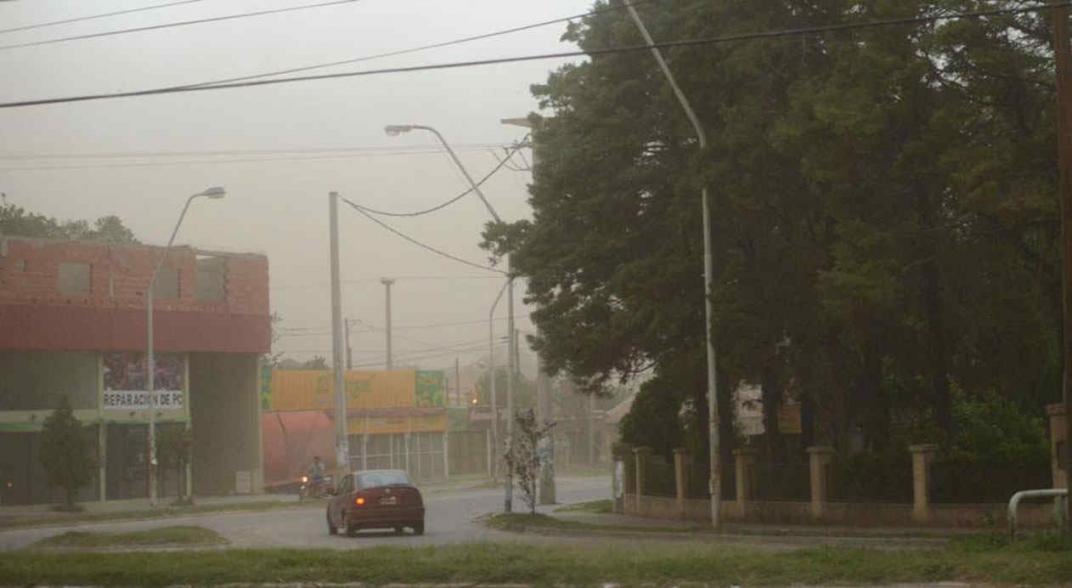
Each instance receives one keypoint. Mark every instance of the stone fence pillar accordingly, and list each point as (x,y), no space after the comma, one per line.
(1058,444)
(819,459)
(641,454)
(681,478)
(745,466)
(922,455)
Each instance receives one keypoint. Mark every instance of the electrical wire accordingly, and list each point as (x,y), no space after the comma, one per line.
(95,16)
(418,243)
(399,52)
(452,200)
(173,24)
(772,34)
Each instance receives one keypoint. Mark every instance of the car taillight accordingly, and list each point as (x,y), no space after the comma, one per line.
(360,501)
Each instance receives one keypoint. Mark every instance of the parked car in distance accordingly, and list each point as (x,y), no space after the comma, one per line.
(375,499)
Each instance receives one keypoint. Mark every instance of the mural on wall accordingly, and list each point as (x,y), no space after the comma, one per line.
(125,381)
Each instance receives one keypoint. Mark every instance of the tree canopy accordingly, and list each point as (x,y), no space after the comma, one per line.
(15,221)
(884,214)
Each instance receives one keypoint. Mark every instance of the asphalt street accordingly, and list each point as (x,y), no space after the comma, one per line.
(450,518)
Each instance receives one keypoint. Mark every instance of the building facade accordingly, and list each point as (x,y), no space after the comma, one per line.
(73,325)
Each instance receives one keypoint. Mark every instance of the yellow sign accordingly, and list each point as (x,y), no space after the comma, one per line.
(315,390)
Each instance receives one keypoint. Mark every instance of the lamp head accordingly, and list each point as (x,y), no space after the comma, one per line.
(215,193)
(396,130)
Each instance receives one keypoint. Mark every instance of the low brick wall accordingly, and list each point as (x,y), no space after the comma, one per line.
(856,514)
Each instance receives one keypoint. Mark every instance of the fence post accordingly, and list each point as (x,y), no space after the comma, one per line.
(681,479)
(921,460)
(618,453)
(641,454)
(744,463)
(819,459)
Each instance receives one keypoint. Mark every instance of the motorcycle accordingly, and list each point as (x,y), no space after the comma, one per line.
(313,489)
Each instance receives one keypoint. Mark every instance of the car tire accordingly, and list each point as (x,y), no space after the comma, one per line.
(351,530)
(331,528)
(399,530)
(418,529)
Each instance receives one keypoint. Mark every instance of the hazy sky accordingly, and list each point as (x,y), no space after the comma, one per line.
(279,205)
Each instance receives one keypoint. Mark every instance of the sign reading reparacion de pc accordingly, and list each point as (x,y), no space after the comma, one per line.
(125,383)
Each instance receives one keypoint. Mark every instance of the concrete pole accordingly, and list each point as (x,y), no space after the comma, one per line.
(715,481)
(390,356)
(494,448)
(1063,54)
(508,501)
(548,495)
(591,429)
(342,441)
(349,350)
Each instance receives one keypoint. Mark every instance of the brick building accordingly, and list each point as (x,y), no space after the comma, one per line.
(73,324)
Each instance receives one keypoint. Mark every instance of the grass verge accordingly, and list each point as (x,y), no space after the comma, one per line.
(605,506)
(37,520)
(543,565)
(164,536)
(520,522)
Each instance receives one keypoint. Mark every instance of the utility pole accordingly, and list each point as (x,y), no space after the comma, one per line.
(342,442)
(457,381)
(714,483)
(1063,52)
(517,352)
(547,447)
(390,357)
(591,429)
(349,350)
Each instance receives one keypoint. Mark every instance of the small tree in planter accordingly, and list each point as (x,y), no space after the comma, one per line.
(523,457)
(64,453)
(173,449)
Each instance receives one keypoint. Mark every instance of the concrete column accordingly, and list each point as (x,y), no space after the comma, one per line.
(819,461)
(490,458)
(102,452)
(681,478)
(405,443)
(744,466)
(1058,444)
(921,460)
(642,454)
(446,455)
(364,449)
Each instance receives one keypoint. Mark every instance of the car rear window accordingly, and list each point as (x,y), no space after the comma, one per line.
(375,479)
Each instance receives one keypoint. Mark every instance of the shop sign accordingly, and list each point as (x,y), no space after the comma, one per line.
(125,382)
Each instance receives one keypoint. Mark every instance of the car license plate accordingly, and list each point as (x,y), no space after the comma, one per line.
(389,500)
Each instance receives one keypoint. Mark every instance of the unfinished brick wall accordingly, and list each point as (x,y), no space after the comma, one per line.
(119,278)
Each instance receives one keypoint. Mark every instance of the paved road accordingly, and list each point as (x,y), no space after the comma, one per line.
(449,519)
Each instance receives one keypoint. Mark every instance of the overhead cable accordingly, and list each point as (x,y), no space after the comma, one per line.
(41,25)
(448,202)
(169,25)
(772,34)
(418,243)
(399,52)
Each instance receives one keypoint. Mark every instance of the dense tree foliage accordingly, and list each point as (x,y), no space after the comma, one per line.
(15,221)
(884,213)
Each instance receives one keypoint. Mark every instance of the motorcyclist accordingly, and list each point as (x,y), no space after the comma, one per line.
(316,472)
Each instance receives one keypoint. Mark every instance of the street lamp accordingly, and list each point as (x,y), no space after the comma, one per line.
(214,193)
(715,480)
(395,130)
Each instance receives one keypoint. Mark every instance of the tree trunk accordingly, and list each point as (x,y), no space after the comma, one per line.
(936,361)
(875,403)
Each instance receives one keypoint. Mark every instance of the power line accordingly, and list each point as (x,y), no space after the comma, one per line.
(404,149)
(773,34)
(479,183)
(440,45)
(95,16)
(418,243)
(173,24)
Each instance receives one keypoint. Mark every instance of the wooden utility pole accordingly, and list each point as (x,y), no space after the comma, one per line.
(1063,54)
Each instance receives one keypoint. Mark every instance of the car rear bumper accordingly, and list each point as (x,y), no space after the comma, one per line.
(384,517)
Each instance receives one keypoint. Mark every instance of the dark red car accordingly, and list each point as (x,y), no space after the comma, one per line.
(376,499)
